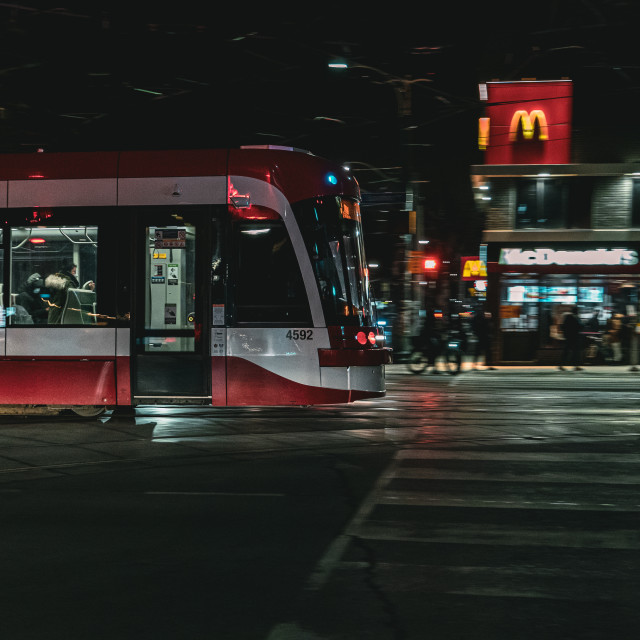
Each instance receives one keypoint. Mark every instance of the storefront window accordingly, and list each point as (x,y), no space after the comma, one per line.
(519,304)
(541,204)
(537,303)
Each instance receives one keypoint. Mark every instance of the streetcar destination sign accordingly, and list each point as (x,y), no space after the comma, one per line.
(611,257)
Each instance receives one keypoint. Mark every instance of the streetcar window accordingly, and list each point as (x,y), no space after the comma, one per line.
(332,232)
(170,286)
(53,275)
(269,283)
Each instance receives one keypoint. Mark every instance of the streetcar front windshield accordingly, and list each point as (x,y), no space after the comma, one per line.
(332,231)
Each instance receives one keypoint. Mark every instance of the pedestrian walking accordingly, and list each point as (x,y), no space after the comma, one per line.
(572,331)
(627,328)
(613,338)
(429,339)
(593,323)
(481,327)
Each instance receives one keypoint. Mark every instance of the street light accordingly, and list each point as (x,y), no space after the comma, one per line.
(402,87)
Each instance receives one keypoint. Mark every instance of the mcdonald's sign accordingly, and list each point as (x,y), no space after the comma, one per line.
(472,268)
(527,122)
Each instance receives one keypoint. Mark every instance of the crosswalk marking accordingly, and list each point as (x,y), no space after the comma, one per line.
(551,501)
(430,454)
(512,536)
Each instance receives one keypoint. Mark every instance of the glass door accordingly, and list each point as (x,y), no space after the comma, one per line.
(172,361)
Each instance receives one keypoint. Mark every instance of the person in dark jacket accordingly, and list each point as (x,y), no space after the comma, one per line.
(481,327)
(429,339)
(593,323)
(58,285)
(572,330)
(30,299)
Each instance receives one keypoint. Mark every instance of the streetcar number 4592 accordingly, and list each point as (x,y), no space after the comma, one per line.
(300,334)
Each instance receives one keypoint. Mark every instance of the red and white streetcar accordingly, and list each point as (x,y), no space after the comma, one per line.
(208,277)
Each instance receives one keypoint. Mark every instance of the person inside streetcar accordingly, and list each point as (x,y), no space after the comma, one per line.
(58,284)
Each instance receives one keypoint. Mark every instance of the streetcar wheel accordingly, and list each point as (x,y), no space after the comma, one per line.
(417,362)
(453,361)
(88,411)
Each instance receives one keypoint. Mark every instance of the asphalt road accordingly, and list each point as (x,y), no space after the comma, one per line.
(489,505)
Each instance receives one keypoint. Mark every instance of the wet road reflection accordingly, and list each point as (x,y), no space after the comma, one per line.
(417,411)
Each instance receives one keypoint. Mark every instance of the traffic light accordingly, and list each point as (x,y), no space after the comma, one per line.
(430,265)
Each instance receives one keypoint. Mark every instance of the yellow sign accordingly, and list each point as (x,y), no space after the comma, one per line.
(473,269)
(528,121)
(483,133)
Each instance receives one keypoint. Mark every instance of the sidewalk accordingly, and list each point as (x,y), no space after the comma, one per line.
(603,370)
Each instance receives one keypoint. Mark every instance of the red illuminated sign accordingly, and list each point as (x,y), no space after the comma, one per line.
(527,122)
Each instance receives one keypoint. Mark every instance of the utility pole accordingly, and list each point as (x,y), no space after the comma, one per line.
(411,298)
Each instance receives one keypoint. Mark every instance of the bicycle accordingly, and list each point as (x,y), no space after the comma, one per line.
(449,350)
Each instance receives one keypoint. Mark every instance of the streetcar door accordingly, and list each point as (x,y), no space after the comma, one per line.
(171,341)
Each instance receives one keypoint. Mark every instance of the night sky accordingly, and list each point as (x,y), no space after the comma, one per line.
(90,76)
(139,74)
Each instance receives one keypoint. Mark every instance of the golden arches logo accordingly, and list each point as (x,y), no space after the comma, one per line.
(528,121)
(474,269)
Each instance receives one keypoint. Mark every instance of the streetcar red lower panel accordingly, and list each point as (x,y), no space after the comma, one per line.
(249,384)
(107,382)
(58,382)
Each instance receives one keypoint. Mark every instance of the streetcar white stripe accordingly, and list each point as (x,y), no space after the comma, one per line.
(75,192)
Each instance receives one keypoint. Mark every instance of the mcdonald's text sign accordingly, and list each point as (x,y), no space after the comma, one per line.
(527,122)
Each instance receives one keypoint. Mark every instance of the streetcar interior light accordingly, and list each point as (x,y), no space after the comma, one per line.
(37,240)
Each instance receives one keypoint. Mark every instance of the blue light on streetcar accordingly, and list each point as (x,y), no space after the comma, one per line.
(331,178)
